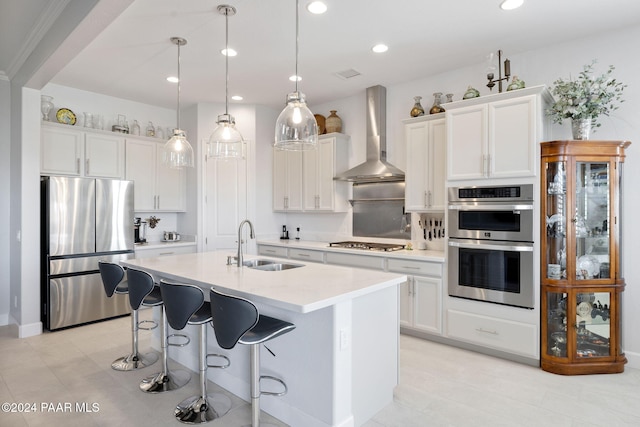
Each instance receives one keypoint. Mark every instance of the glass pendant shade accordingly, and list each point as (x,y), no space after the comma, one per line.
(178,153)
(226,141)
(296,127)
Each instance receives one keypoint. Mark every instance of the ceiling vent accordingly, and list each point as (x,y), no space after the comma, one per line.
(347,74)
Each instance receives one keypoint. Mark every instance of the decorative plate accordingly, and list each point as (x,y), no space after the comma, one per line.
(66,116)
(590,265)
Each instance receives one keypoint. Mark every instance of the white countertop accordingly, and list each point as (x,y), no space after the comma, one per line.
(415,254)
(311,287)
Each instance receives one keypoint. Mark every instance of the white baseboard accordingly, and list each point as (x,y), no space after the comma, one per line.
(633,360)
(28,330)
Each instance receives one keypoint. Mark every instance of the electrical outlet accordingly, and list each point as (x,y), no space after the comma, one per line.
(344,339)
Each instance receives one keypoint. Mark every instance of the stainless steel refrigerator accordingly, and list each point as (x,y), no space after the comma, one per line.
(83,220)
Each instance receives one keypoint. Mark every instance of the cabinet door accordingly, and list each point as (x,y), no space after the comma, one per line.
(427,304)
(311,184)
(61,151)
(287,180)
(417,141)
(437,164)
(512,137)
(141,168)
(326,185)
(104,156)
(170,185)
(467,142)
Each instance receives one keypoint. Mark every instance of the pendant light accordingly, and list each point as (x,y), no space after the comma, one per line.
(226,141)
(178,153)
(296,127)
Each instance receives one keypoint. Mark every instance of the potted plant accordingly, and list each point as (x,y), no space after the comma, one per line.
(583,100)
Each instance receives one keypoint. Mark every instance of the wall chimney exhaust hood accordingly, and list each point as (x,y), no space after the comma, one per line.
(375,168)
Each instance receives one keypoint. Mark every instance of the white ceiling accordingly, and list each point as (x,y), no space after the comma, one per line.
(133,56)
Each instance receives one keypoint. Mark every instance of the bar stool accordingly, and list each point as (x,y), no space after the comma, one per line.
(112,279)
(237,320)
(184,305)
(142,285)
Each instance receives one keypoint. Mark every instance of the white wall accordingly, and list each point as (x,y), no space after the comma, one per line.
(5,195)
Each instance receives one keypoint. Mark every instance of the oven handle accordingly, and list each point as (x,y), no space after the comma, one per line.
(487,207)
(494,246)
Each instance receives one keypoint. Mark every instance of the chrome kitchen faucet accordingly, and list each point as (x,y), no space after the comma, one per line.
(252,235)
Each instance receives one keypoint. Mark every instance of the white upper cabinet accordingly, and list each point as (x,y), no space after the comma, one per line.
(156,186)
(303,180)
(65,150)
(495,136)
(426,143)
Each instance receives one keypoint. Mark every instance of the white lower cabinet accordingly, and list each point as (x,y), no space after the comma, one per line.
(274,251)
(420,296)
(499,334)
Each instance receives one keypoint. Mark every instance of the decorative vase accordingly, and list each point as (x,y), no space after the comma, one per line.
(417,109)
(515,84)
(437,108)
(46,106)
(581,128)
(333,123)
(321,120)
(471,93)
(449,97)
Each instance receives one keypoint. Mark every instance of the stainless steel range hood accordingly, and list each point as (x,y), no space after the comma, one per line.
(375,168)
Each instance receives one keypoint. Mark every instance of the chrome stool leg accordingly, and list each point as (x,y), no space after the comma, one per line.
(165,380)
(256,391)
(134,360)
(203,408)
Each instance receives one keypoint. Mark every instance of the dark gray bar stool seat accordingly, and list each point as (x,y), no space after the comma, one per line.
(185,305)
(114,282)
(237,320)
(142,288)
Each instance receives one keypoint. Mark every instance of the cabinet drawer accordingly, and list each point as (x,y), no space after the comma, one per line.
(421,268)
(500,334)
(306,255)
(149,253)
(276,251)
(352,260)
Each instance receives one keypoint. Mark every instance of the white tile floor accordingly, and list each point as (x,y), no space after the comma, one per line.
(439,386)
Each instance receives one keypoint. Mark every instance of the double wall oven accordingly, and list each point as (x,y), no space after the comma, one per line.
(491,244)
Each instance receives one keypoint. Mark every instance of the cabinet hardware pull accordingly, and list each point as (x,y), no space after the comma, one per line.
(430,201)
(408,267)
(486,331)
(78,165)
(304,255)
(271,251)
(87,167)
(166,253)
(158,202)
(426,203)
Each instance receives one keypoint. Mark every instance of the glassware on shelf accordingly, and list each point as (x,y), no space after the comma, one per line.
(417,109)
(449,97)
(151,131)
(159,132)
(437,101)
(88,120)
(135,128)
(46,105)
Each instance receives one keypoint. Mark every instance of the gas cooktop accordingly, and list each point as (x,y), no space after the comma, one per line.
(367,246)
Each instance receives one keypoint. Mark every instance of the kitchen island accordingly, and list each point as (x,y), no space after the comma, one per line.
(341,361)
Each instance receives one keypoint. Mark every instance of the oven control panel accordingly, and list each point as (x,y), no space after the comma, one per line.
(502,193)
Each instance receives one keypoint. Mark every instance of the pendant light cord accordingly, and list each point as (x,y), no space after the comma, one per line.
(179,80)
(226,83)
(297,37)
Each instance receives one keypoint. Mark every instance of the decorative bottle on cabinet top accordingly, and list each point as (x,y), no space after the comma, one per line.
(417,109)
(333,123)
(437,108)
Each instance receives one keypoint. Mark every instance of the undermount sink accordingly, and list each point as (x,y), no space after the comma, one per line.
(257,262)
(268,265)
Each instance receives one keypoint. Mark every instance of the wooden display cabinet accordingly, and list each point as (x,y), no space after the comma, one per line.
(581,276)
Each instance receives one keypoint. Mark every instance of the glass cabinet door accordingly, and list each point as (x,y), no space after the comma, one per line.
(557,324)
(591,220)
(556,214)
(593,324)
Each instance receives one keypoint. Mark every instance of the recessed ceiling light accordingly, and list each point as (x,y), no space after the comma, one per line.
(511,4)
(231,52)
(379,48)
(172,79)
(237,98)
(295,78)
(317,7)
